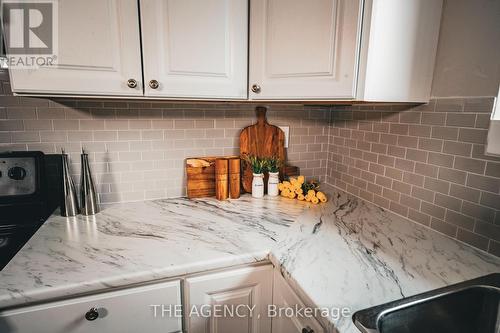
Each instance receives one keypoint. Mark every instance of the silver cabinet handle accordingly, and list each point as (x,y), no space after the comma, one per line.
(154,84)
(131,83)
(92,314)
(256,88)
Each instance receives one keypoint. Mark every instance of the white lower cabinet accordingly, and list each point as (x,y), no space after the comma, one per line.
(246,299)
(246,291)
(261,289)
(128,310)
(285,298)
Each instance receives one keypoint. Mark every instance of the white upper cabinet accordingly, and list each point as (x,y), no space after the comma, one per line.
(195,49)
(372,50)
(398,50)
(304,49)
(98,52)
(353,50)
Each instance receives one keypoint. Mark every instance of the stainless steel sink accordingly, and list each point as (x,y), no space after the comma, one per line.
(468,307)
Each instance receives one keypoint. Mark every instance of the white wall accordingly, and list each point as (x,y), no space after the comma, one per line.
(468,56)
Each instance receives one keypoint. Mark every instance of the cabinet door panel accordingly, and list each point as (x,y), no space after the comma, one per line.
(285,297)
(243,287)
(304,49)
(195,49)
(127,311)
(98,51)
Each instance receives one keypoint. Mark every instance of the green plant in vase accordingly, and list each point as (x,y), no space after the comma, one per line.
(259,166)
(273,166)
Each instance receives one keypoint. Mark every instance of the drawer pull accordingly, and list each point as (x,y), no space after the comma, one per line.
(92,314)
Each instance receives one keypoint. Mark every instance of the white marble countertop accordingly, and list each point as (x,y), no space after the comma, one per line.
(343,254)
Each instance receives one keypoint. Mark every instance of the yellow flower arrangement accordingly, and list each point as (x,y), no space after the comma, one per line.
(321,196)
(298,188)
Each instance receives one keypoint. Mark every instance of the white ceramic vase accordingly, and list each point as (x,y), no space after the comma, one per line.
(258,185)
(272,184)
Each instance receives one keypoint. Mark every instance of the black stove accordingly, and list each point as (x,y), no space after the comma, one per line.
(12,240)
(28,195)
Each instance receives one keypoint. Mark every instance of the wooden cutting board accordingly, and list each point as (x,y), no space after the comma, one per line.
(262,140)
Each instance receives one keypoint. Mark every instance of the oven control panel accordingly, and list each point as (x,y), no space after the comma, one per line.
(17,176)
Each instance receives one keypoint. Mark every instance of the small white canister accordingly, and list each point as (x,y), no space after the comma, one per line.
(272,184)
(258,185)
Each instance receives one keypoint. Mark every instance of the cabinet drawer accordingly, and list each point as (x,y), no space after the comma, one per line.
(128,310)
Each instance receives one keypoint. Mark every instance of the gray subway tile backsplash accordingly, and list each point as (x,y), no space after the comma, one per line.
(448,183)
(137,148)
(493,169)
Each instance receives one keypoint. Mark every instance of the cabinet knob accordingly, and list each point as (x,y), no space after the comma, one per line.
(154,84)
(307,329)
(256,88)
(131,83)
(92,314)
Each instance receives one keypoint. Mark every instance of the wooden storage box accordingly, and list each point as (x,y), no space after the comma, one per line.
(200,172)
